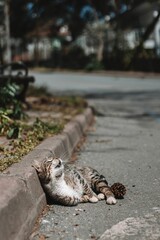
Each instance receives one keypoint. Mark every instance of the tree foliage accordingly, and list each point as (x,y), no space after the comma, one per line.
(26,15)
(31,15)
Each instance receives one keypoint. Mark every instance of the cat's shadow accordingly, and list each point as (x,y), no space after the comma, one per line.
(52,202)
(49,200)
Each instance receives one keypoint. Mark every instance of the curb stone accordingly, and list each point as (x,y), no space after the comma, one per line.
(22,198)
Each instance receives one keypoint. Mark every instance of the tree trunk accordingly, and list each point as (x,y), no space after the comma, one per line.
(145,36)
(7,32)
(100,48)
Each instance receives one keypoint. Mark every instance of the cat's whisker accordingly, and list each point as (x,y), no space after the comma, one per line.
(64,161)
(64,155)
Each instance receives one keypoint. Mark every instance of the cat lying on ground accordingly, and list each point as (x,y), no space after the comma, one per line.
(69,185)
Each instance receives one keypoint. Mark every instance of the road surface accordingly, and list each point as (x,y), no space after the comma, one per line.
(124,145)
(83,83)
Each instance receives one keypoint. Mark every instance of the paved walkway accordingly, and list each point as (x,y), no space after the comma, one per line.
(124,145)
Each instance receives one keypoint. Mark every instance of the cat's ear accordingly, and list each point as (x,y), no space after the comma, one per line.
(37,166)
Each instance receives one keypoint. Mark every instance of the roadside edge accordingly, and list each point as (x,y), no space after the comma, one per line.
(22,198)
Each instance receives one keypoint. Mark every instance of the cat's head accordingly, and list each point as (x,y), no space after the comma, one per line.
(49,169)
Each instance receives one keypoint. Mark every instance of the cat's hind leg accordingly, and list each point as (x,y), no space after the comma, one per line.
(100,185)
(111,200)
(103,188)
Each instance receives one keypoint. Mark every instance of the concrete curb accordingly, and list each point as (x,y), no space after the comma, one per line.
(22,198)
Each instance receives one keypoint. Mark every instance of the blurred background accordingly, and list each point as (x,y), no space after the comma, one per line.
(81,34)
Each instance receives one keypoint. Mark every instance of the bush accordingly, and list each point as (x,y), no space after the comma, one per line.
(75,58)
(8,102)
(10,109)
(94,64)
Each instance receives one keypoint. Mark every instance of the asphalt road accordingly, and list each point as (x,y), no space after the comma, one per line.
(124,145)
(83,83)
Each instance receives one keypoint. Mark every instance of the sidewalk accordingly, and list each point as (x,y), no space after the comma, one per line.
(124,149)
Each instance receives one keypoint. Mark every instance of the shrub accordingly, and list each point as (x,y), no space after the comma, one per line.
(9,104)
(75,58)
(94,64)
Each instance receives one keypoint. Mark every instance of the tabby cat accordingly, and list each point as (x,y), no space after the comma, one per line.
(69,185)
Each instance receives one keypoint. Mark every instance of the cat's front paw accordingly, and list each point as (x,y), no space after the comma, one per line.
(101,196)
(93,199)
(111,200)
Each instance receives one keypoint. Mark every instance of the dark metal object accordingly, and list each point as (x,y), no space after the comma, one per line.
(16,72)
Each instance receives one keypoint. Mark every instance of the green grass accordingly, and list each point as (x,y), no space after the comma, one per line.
(23,135)
(29,137)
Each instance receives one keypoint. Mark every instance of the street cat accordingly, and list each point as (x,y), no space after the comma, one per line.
(69,185)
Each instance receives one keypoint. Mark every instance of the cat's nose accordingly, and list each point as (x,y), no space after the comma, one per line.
(59,162)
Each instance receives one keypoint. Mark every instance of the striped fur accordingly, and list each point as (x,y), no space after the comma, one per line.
(69,185)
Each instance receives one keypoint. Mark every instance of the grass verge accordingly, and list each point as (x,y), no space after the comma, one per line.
(46,117)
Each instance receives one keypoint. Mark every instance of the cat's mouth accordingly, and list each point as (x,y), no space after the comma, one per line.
(58,175)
